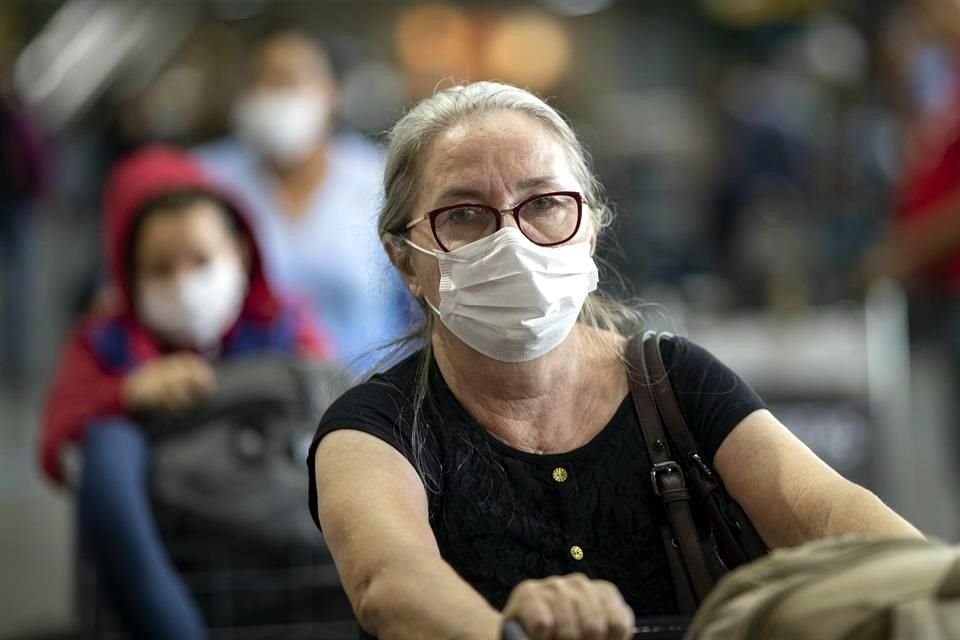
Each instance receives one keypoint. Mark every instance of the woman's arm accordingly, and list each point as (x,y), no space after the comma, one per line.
(790,494)
(373,509)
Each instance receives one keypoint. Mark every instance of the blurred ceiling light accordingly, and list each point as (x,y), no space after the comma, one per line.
(577,7)
(434,37)
(757,12)
(836,51)
(86,45)
(530,49)
(79,49)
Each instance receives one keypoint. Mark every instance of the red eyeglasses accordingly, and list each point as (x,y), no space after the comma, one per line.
(546,219)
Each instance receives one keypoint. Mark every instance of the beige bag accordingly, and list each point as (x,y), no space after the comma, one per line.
(850,588)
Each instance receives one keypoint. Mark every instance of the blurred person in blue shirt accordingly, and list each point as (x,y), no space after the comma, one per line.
(314,192)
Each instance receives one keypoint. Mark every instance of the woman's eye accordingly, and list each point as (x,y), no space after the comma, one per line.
(542,206)
(464,215)
(545,204)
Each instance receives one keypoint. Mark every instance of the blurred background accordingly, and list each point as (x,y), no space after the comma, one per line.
(775,166)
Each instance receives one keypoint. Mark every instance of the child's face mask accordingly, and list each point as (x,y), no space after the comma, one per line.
(197,308)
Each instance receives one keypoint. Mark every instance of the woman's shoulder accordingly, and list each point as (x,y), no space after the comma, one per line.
(694,365)
(390,392)
(712,397)
(382,406)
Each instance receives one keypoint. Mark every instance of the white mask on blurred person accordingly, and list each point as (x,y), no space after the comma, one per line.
(510,299)
(283,125)
(199,308)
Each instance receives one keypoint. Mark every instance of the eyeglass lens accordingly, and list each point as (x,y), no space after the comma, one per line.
(546,220)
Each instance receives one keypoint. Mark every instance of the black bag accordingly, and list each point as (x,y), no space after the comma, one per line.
(709,534)
(234,463)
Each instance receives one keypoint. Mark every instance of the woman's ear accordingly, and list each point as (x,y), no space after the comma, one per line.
(400,258)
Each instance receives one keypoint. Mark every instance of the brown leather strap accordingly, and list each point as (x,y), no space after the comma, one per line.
(682,590)
(666,475)
(643,403)
(666,400)
(703,481)
(677,502)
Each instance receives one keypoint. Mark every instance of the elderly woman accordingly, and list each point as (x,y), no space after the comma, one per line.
(500,472)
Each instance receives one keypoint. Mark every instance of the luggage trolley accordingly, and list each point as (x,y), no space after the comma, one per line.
(660,628)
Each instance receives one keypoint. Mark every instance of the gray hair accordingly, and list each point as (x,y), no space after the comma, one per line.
(412,136)
(420,126)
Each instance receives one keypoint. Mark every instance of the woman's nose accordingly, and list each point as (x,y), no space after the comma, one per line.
(507,219)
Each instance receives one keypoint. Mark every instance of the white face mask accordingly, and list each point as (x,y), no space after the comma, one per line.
(283,125)
(199,308)
(510,299)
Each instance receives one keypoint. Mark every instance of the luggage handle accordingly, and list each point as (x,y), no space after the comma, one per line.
(671,628)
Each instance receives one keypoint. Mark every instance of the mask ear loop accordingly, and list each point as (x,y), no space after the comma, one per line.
(418,247)
(432,254)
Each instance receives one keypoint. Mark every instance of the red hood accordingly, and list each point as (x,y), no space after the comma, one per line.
(152,172)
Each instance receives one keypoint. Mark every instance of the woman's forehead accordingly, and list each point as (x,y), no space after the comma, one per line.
(497,147)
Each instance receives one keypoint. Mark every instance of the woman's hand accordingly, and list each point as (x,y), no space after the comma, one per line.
(570,607)
(170,383)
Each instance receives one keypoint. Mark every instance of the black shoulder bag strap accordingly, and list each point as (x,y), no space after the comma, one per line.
(666,475)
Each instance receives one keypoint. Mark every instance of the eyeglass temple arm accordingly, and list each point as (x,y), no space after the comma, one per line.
(413,223)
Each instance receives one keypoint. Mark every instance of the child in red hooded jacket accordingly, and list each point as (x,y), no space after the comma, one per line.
(189,290)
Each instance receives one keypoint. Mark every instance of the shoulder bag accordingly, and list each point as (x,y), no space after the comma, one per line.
(708,533)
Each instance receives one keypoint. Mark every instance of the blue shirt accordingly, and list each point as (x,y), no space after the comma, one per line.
(330,255)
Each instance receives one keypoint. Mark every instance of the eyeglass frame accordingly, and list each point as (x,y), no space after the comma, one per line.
(514,211)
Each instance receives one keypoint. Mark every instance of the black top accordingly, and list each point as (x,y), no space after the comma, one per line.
(501,515)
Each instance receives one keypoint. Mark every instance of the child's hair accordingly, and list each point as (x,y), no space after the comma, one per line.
(173,202)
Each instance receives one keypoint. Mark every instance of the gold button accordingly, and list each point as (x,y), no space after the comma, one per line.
(576,552)
(560,474)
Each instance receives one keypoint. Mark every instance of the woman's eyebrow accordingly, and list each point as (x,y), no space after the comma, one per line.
(464,193)
(460,193)
(536,181)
